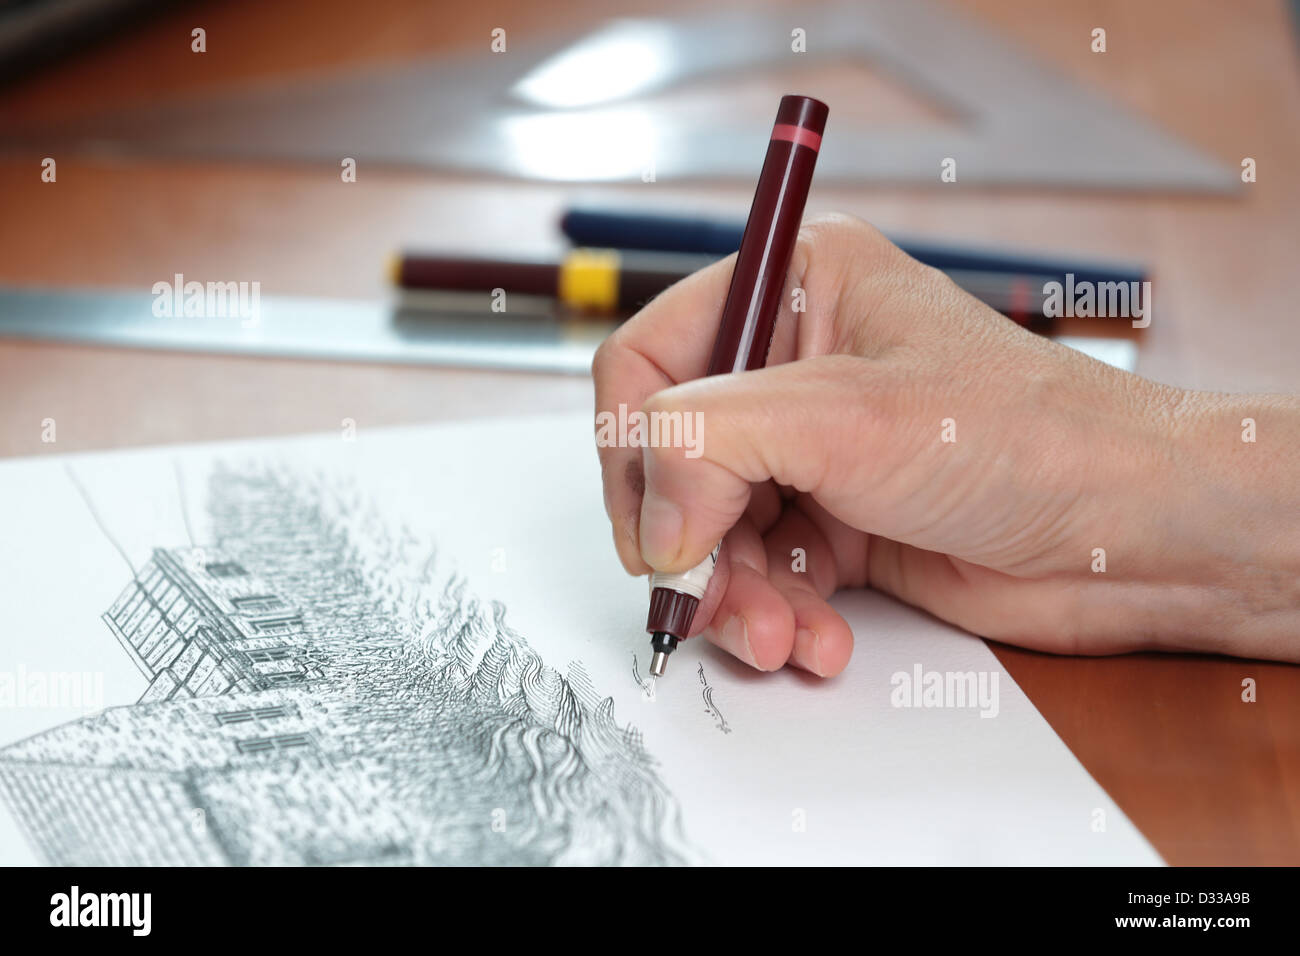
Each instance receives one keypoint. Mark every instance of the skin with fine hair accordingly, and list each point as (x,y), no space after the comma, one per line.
(906,437)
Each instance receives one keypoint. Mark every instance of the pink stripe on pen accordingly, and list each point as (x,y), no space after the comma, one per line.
(797,135)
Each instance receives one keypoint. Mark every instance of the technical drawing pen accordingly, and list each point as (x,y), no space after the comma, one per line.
(588,280)
(610,281)
(748,321)
(626,229)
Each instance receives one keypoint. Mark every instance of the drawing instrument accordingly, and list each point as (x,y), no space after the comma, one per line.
(345,330)
(1023,124)
(747,323)
(353,330)
(590,226)
(590,280)
(608,281)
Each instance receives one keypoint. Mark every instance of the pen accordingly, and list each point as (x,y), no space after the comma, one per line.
(631,229)
(748,321)
(610,281)
(588,280)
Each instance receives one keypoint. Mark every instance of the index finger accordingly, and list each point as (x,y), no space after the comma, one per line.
(667,342)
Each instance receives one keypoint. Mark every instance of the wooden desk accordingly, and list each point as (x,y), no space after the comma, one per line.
(1209,779)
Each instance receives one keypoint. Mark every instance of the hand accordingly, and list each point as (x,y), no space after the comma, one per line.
(907,437)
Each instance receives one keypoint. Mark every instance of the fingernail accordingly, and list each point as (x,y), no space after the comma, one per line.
(661,530)
(807,648)
(734,638)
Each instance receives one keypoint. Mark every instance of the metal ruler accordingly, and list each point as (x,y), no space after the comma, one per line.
(340,329)
(350,330)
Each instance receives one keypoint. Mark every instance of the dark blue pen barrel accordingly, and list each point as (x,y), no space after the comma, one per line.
(610,229)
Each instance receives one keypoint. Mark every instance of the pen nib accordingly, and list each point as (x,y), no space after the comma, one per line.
(658,664)
(650,686)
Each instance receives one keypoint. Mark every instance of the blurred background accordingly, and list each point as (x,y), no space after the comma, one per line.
(299,145)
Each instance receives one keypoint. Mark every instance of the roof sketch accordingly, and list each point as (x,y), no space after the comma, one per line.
(319,694)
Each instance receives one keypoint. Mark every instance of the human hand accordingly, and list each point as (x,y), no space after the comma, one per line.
(905,436)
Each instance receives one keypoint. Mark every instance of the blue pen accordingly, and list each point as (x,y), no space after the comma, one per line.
(612,229)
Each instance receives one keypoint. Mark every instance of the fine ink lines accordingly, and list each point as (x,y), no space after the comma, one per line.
(327,696)
(647,686)
(710,707)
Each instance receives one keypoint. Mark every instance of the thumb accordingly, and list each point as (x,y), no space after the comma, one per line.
(802,424)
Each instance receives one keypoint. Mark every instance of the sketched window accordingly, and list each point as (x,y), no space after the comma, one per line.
(257,602)
(248,716)
(283,625)
(264,745)
(264,655)
(282,678)
(225,569)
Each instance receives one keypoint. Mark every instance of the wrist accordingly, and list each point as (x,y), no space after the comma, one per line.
(1224,533)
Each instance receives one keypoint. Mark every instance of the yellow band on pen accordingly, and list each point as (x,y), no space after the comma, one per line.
(589,279)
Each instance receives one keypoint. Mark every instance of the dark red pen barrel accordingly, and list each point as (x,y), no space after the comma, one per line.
(758,282)
(753,302)
(462,274)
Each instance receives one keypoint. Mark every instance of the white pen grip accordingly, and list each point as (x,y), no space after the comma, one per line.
(692,582)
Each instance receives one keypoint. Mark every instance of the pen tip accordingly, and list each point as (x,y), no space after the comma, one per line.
(658,664)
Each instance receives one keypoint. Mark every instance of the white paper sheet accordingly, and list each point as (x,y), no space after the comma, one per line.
(805,771)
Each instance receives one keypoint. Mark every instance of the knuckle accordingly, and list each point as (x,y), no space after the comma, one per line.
(843,255)
(832,232)
(662,403)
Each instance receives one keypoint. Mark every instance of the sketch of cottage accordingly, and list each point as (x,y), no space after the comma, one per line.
(314,701)
(197,623)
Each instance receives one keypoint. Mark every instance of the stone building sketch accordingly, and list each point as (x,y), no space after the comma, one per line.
(319,693)
(197,623)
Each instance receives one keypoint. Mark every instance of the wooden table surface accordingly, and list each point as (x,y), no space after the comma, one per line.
(1208,778)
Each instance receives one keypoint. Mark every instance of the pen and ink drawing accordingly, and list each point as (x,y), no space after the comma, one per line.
(646,684)
(710,707)
(648,689)
(319,693)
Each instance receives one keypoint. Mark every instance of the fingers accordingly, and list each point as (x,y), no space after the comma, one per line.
(802,567)
(667,342)
(837,263)
(754,622)
(767,614)
(799,423)
(817,426)
(751,620)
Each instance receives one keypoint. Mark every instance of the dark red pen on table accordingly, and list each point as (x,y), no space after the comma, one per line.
(748,321)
